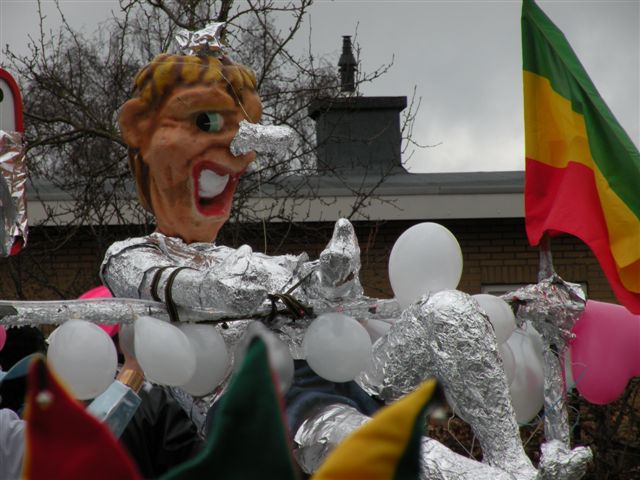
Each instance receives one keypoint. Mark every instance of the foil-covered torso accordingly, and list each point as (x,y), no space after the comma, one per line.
(240,278)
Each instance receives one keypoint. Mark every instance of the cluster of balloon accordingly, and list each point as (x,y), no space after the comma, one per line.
(192,356)
(521,353)
(3,337)
(337,347)
(605,352)
(425,258)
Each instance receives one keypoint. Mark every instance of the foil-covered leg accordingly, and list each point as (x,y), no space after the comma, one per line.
(322,432)
(447,336)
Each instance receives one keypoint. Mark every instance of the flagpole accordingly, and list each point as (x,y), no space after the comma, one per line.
(556,419)
(546,259)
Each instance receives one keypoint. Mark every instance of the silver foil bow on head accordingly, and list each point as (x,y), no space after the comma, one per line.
(13,203)
(205,42)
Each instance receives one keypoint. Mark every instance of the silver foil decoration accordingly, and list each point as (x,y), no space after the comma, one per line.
(95,310)
(322,432)
(328,427)
(13,184)
(336,274)
(447,336)
(233,280)
(262,139)
(237,280)
(205,42)
(440,463)
(560,462)
(444,335)
(552,306)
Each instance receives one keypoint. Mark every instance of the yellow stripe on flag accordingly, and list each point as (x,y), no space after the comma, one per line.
(555,135)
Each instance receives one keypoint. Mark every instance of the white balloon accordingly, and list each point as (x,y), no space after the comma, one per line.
(280,359)
(500,315)
(84,357)
(212,359)
(527,387)
(536,339)
(163,351)
(337,347)
(508,361)
(425,258)
(376,328)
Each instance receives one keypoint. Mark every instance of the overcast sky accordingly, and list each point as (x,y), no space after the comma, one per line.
(463,57)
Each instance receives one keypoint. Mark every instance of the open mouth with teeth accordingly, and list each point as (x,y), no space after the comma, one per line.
(214,189)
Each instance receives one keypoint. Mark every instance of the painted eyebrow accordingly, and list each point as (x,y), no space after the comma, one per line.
(190,101)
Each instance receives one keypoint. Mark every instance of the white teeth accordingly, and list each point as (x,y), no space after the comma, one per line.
(211,184)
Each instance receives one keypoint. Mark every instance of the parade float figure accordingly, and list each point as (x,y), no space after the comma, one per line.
(179,126)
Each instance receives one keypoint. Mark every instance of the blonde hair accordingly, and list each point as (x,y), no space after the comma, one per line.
(156,80)
(165,72)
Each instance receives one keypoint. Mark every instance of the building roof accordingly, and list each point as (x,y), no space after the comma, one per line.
(398,196)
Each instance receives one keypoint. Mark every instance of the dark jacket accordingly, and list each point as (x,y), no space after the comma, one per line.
(160,436)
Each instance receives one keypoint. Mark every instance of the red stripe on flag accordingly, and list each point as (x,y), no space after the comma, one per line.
(565,200)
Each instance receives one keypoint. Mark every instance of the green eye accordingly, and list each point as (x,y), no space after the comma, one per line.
(209,122)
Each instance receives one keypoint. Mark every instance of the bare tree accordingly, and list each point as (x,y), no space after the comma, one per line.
(74,84)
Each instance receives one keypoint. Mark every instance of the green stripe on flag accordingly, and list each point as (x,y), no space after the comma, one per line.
(546,52)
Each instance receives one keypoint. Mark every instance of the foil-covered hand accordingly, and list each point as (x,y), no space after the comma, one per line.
(337,271)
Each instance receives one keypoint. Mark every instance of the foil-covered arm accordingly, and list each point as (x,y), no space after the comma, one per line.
(226,279)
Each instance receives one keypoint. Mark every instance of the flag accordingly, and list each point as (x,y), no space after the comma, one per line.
(582,174)
(248,438)
(388,446)
(63,441)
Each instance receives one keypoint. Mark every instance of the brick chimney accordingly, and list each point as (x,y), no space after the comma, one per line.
(357,135)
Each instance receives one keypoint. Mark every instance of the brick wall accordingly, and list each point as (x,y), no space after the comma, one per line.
(62,264)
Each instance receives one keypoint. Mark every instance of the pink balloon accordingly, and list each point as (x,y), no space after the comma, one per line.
(605,354)
(101,292)
(98,292)
(3,337)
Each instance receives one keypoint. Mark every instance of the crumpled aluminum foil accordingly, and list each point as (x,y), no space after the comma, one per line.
(336,275)
(96,310)
(552,306)
(322,432)
(13,201)
(262,139)
(560,462)
(447,336)
(326,429)
(201,42)
(232,280)
(440,463)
